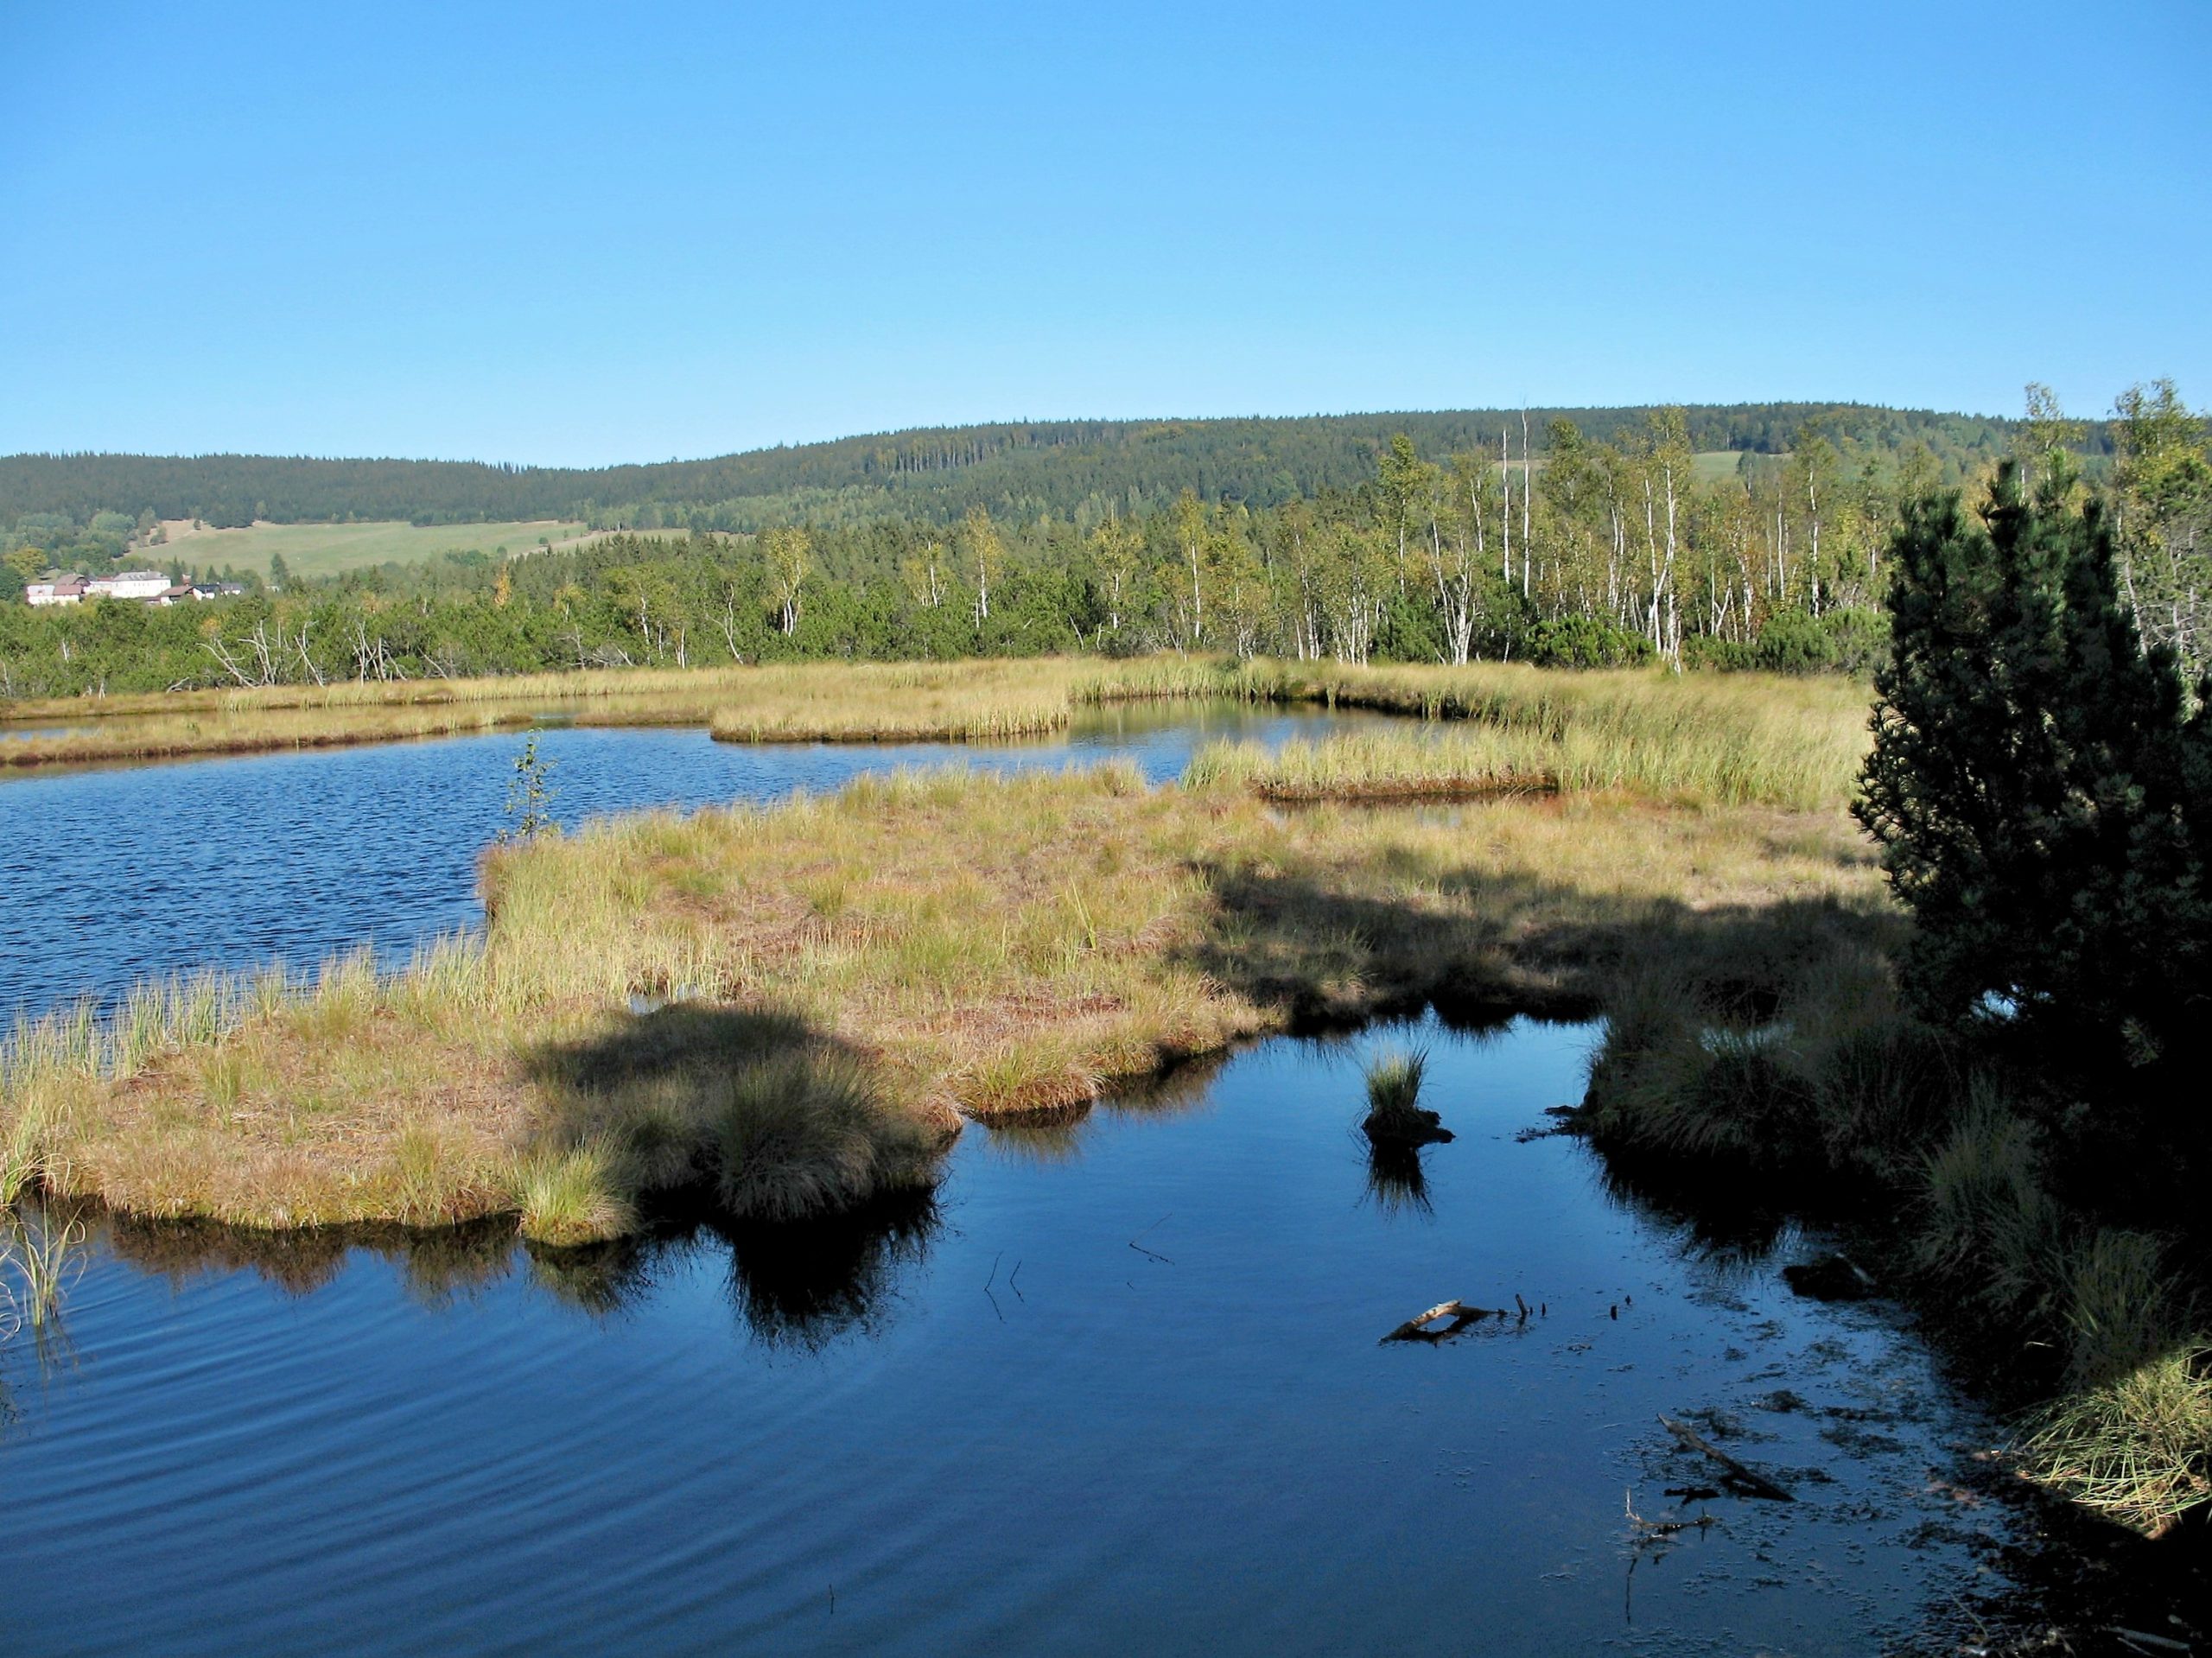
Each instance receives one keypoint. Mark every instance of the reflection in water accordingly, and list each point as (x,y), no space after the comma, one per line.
(1183,1086)
(964,1412)
(1727,1220)
(1054,1136)
(801,1286)
(297,1262)
(1396,1183)
(1058,1135)
(436,1268)
(599,1279)
(804,1285)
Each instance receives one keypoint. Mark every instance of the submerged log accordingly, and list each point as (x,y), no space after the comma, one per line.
(1754,1483)
(1461,1315)
(1832,1278)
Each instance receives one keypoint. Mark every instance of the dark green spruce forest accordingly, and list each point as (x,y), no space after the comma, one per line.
(1750,535)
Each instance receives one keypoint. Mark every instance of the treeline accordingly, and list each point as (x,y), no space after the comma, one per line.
(1083,470)
(1569,549)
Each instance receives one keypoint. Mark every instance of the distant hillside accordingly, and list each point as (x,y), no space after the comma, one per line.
(1055,469)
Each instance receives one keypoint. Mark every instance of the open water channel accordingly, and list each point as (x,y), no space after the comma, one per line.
(1117,1387)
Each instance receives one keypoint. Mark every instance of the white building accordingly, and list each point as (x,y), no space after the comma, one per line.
(128,584)
(62,590)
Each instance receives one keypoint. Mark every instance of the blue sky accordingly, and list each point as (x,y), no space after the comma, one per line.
(582,234)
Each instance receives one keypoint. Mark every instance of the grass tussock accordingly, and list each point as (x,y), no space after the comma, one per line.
(38,1252)
(1395,1112)
(576,1194)
(2137,1448)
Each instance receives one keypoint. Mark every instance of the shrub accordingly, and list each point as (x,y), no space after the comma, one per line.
(2041,794)
(1584,642)
(1793,643)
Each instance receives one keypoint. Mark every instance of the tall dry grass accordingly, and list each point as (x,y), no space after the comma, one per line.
(1734,739)
(814,702)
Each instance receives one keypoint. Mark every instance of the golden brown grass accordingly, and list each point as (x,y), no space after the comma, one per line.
(813,702)
(1734,739)
(915,948)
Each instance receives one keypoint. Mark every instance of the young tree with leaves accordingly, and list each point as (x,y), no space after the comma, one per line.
(986,551)
(787,551)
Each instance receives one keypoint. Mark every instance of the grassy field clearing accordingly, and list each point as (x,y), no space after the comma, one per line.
(319,549)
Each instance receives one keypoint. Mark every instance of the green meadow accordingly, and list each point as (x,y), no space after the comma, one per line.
(320,550)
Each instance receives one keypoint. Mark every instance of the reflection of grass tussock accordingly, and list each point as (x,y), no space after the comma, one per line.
(802,1285)
(1397,1181)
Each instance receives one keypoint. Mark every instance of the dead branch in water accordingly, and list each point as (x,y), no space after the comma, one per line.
(1755,1483)
(1645,1528)
(1417,1329)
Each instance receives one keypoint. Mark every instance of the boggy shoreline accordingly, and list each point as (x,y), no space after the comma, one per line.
(851,976)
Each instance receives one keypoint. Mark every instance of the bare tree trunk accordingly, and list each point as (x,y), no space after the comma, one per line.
(1527,542)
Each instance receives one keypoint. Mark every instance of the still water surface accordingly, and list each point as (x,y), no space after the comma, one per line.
(115,873)
(998,1427)
(1117,1389)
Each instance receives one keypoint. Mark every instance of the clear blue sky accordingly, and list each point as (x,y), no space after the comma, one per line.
(581,234)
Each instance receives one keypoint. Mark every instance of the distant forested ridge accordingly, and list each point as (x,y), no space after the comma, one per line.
(1080,470)
(1566,547)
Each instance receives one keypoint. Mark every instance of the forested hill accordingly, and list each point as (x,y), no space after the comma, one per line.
(1022,470)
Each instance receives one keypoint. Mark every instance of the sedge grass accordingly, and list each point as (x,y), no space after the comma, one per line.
(1466,764)
(1730,739)
(38,1247)
(1393,1108)
(2137,1449)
